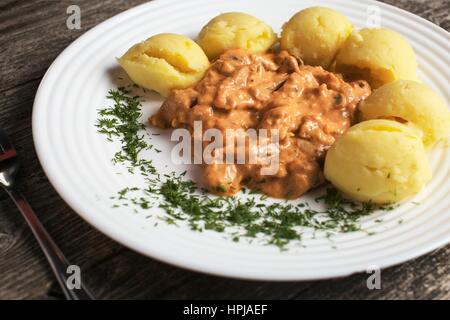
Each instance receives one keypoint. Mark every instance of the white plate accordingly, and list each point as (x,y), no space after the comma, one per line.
(77,159)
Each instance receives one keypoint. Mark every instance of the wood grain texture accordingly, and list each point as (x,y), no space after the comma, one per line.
(33,33)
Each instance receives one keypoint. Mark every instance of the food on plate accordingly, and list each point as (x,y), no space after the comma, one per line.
(315,35)
(273,119)
(378,55)
(251,84)
(413,102)
(310,108)
(235,30)
(382,161)
(165,62)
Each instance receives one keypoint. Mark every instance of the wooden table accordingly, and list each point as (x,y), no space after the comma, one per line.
(32,34)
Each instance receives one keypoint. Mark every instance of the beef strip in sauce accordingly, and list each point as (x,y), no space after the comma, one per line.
(309,106)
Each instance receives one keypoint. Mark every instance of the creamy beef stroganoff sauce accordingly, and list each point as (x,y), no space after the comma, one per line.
(308,106)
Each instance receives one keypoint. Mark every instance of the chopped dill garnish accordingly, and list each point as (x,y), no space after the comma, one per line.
(278,222)
(122,120)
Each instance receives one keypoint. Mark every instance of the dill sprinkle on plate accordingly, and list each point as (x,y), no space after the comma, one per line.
(122,120)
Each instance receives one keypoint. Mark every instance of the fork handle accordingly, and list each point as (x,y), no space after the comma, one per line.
(55,257)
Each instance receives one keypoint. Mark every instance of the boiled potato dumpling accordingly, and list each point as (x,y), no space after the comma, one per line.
(164,62)
(411,101)
(315,35)
(378,55)
(235,30)
(381,161)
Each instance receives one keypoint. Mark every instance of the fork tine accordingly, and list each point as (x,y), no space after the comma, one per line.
(7,150)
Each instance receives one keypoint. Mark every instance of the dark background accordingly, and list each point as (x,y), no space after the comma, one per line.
(32,34)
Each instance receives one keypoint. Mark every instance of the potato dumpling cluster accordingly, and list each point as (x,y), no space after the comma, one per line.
(381,161)
(377,55)
(165,62)
(315,35)
(235,30)
(413,102)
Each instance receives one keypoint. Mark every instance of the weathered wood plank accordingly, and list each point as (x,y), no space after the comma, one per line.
(427,277)
(37,36)
(436,11)
(35,33)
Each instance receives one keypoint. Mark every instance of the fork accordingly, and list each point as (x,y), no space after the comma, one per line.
(9,165)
